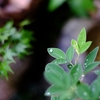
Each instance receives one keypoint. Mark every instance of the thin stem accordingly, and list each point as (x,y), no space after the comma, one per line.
(71,63)
(77,59)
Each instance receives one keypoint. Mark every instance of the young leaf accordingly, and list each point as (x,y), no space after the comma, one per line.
(56,53)
(81,38)
(90,57)
(91,66)
(75,45)
(70,53)
(54,90)
(84,47)
(83,91)
(54,74)
(59,61)
(76,73)
(95,90)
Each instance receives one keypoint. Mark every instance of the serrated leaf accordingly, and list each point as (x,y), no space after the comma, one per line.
(54,4)
(81,38)
(16,36)
(59,61)
(12,31)
(84,47)
(76,73)
(94,87)
(6,67)
(70,53)
(9,54)
(54,90)
(75,45)
(91,57)
(20,48)
(91,66)
(54,74)
(83,91)
(56,53)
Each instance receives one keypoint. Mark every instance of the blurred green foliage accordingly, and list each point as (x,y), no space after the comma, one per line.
(13,43)
(79,7)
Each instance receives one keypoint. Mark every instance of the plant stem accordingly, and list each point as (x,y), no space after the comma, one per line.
(77,59)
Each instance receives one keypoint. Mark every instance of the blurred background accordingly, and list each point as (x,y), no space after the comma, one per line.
(54,23)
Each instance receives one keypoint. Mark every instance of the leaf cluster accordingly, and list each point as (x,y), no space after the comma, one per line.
(14,43)
(69,85)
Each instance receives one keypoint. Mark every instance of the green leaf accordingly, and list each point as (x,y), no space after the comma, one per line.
(25,22)
(88,5)
(91,57)
(84,47)
(81,38)
(54,4)
(97,72)
(20,48)
(68,94)
(83,91)
(75,45)
(77,7)
(54,90)
(56,53)
(59,61)
(91,66)
(4,69)
(54,74)
(3,37)
(8,25)
(16,36)
(76,73)
(9,54)
(54,98)
(95,90)
(70,53)
(81,7)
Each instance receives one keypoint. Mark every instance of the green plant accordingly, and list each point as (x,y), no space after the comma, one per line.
(14,43)
(69,85)
(79,7)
